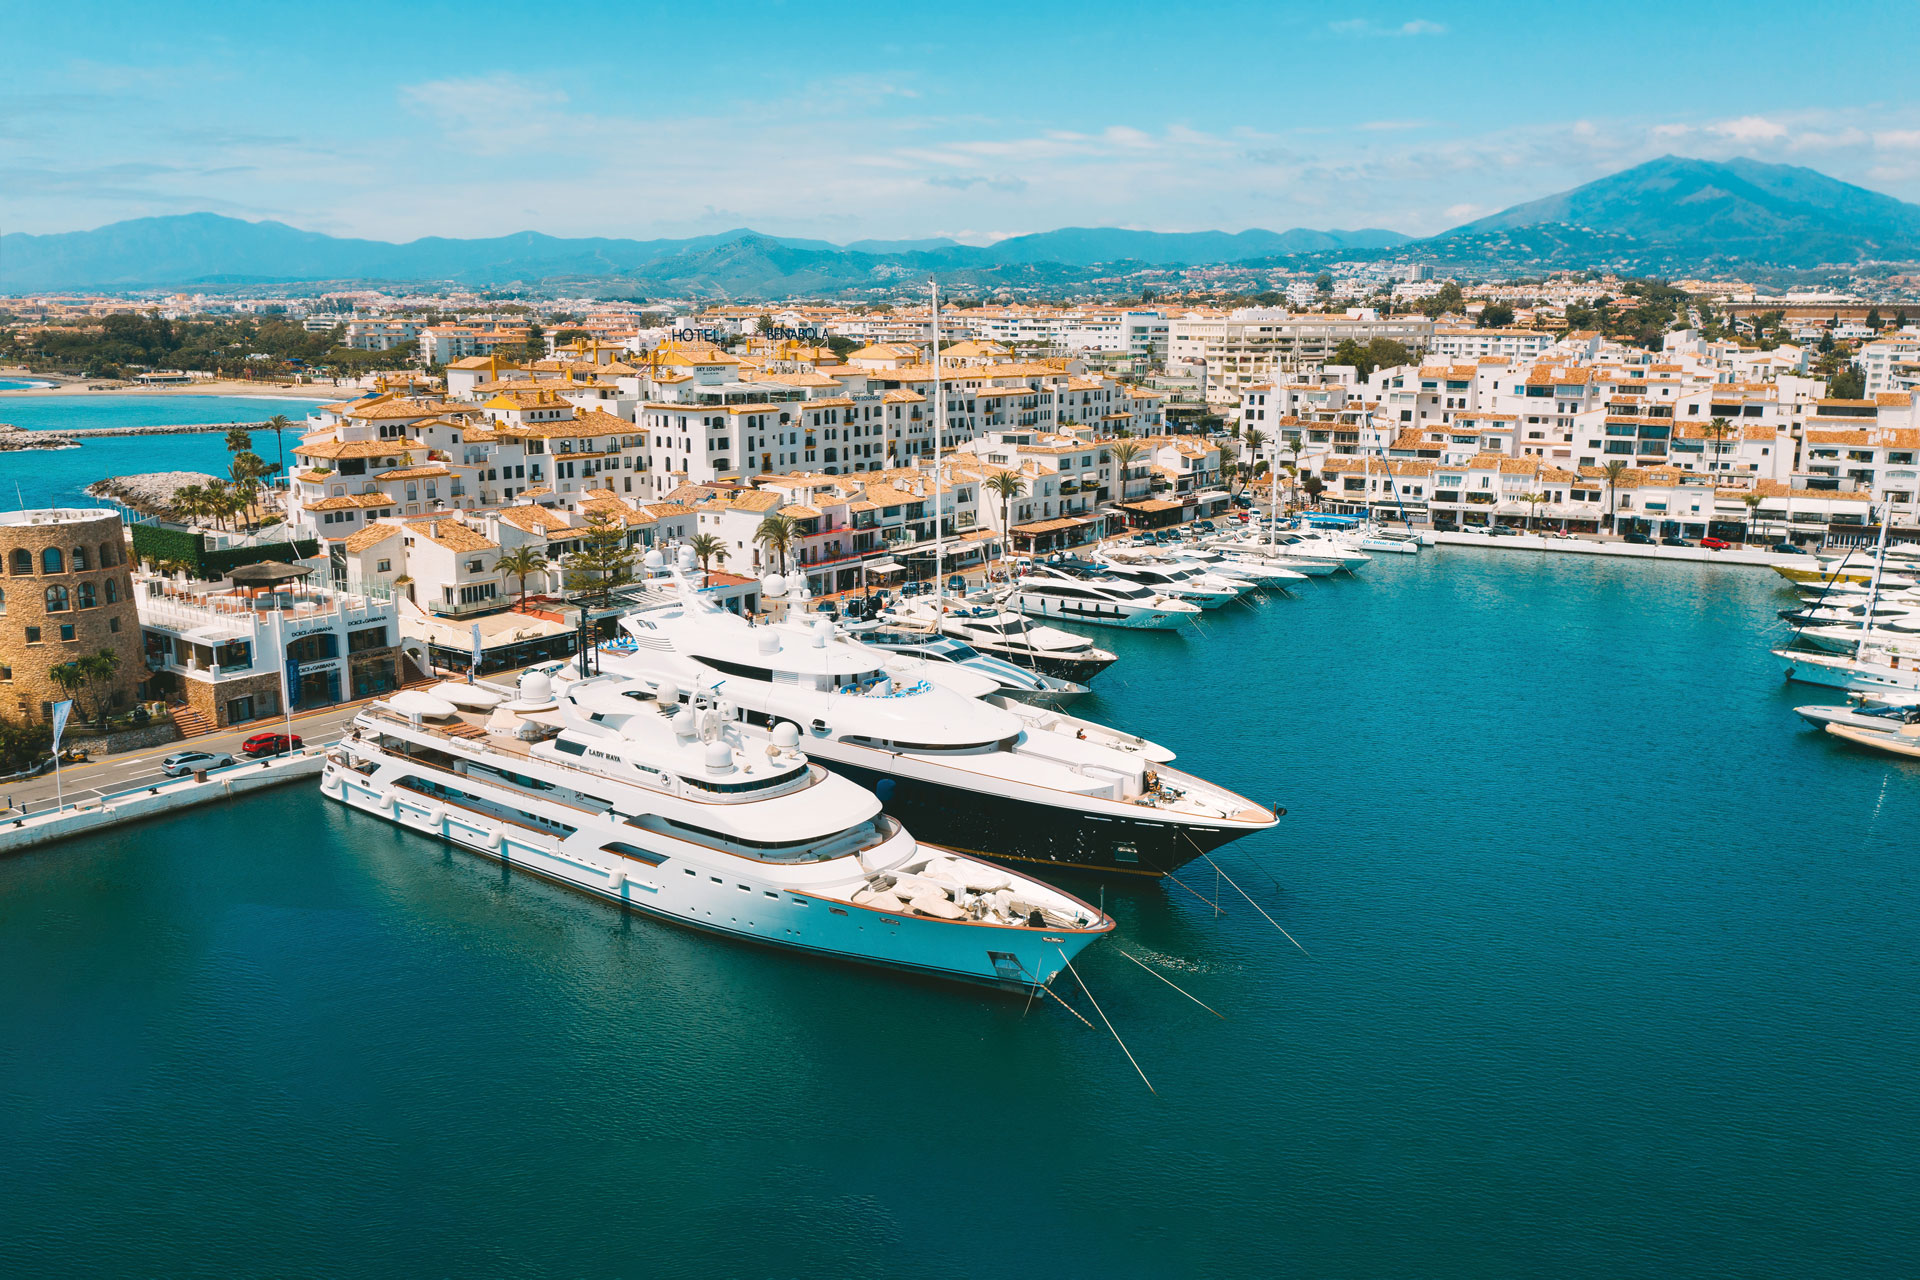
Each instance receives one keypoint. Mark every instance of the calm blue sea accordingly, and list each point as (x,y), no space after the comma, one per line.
(60,477)
(1613,970)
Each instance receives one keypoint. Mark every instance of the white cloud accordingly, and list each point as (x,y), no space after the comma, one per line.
(1368,27)
(1750,129)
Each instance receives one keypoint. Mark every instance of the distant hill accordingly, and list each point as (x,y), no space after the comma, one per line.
(205,248)
(1670,215)
(1675,212)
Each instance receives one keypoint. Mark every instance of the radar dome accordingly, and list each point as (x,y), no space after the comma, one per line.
(773,586)
(719,758)
(786,736)
(536,687)
(654,560)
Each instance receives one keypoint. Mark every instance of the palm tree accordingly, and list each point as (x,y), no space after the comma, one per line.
(521,563)
(1532,500)
(1717,430)
(239,439)
(1614,471)
(777,534)
(708,547)
(1125,454)
(98,668)
(1254,438)
(69,677)
(1009,486)
(190,501)
(1753,505)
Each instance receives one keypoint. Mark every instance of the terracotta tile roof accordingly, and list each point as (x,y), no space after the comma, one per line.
(371,536)
(351,502)
(449,532)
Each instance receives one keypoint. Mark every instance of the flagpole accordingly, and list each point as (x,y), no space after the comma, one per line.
(61,710)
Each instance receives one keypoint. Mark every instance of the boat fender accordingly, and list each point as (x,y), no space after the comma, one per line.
(884,789)
(436,816)
(617,879)
(493,841)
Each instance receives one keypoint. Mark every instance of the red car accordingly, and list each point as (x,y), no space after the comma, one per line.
(1716,544)
(271,744)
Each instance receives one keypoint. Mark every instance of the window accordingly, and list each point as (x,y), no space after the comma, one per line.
(33,635)
(475,566)
(23,561)
(3,604)
(113,590)
(87,599)
(107,558)
(383,566)
(79,559)
(113,624)
(56,596)
(50,561)
(66,631)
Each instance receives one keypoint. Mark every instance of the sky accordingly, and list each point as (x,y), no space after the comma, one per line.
(974,121)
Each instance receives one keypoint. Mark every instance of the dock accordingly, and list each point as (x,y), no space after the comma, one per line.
(1581,546)
(157,799)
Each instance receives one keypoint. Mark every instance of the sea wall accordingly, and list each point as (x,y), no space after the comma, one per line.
(156,800)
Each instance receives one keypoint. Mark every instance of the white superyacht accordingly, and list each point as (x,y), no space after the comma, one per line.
(684,812)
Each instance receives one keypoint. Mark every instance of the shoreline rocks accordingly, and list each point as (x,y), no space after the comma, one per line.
(18,439)
(150,494)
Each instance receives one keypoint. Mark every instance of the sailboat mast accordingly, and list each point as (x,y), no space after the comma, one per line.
(939,426)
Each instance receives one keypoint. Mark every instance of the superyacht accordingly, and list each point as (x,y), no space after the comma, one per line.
(686,812)
(984,775)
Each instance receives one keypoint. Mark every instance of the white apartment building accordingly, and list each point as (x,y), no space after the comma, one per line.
(1252,344)
(1457,344)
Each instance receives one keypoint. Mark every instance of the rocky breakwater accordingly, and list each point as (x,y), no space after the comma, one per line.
(150,494)
(17,439)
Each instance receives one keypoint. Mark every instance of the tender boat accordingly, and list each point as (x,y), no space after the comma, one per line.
(685,812)
(1874,717)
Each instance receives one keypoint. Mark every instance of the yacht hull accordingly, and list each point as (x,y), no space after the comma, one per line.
(1134,619)
(1005,830)
(1078,670)
(737,907)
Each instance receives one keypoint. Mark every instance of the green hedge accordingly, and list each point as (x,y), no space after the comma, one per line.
(154,542)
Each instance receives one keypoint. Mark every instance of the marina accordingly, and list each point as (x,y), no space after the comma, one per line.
(1505,968)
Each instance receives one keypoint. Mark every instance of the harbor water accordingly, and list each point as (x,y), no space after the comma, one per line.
(59,477)
(1612,973)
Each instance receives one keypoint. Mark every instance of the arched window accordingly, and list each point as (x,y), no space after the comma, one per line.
(23,561)
(79,559)
(50,560)
(87,598)
(56,599)
(113,591)
(107,558)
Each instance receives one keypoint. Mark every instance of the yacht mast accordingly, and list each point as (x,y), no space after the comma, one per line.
(1879,563)
(939,426)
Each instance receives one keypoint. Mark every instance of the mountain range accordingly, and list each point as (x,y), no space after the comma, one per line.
(1670,214)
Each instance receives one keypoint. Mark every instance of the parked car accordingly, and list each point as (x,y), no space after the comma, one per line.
(1716,544)
(1503,531)
(1637,539)
(1675,542)
(271,744)
(1788,549)
(181,763)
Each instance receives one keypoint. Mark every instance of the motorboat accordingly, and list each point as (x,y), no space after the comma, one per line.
(1875,717)
(1871,670)
(1001,633)
(1047,590)
(686,812)
(1184,582)
(1021,684)
(986,775)
(1236,568)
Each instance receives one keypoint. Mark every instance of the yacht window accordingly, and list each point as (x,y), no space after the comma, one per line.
(734,788)
(867,835)
(571,748)
(635,852)
(740,669)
